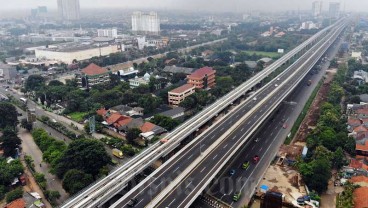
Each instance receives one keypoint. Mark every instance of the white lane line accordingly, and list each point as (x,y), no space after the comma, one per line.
(188,184)
(248,123)
(225,146)
(171,202)
(222,129)
(260,149)
(261,110)
(242,129)
(253,147)
(176,169)
(203,169)
(190,156)
(271,133)
(215,156)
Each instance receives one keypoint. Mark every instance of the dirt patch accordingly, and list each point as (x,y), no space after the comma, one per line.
(311,119)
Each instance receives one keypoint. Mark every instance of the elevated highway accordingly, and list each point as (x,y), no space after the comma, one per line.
(181,179)
(103,190)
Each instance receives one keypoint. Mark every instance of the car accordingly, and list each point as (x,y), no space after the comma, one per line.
(246,165)
(236,196)
(232,172)
(284,125)
(132,202)
(255,159)
(254,98)
(256,140)
(276,85)
(278,78)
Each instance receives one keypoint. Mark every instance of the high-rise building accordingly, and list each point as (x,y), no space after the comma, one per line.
(145,22)
(111,33)
(40,11)
(334,9)
(69,9)
(317,8)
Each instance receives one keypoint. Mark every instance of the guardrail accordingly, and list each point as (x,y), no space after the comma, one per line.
(178,134)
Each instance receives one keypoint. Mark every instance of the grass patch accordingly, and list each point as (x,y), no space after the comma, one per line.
(264,53)
(78,116)
(302,115)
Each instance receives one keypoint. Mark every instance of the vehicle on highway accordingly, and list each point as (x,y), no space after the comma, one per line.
(232,172)
(24,100)
(117,153)
(284,125)
(236,196)
(254,98)
(256,140)
(278,79)
(276,85)
(246,165)
(309,82)
(132,202)
(255,159)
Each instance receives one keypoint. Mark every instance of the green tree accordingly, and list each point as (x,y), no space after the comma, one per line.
(13,195)
(149,103)
(8,115)
(34,83)
(338,158)
(316,174)
(8,171)
(132,134)
(165,122)
(86,155)
(26,125)
(10,142)
(75,180)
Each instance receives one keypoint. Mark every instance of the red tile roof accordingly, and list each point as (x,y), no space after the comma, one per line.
(116,117)
(360,197)
(359,179)
(364,120)
(360,129)
(101,112)
(147,126)
(354,122)
(362,147)
(123,122)
(356,164)
(18,203)
(362,111)
(200,73)
(183,88)
(93,69)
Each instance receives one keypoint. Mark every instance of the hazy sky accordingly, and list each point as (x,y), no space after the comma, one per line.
(209,5)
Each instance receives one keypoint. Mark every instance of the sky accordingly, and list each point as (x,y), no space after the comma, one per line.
(195,5)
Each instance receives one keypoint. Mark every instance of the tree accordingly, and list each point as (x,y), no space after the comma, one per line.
(10,142)
(55,83)
(316,174)
(27,125)
(34,83)
(149,103)
(52,195)
(8,171)
(8,115)
(164,121)
(338,158)
(86,155)
(13,195)
(132,134)
(75,180)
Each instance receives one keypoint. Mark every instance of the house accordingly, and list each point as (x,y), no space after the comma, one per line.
(174,113)
(18,203)
(202,78)
(207,53)
(251,64)
(171,62)
(126,74)
(92,75)
(175,70)
(280,34)
(356,55)
(360,197)
(178,95)
(127,110)
(362,149)
(266,61)
(138,81)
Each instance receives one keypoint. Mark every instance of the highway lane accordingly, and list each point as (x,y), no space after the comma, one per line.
(185,160)
(182,194)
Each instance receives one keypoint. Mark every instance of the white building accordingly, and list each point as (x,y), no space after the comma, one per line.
(334,9)
(68,52)
(137,81)
(317,8)
(110,33)
(69,9)
(145,22)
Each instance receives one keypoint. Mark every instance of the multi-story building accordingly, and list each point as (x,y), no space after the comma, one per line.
(334,9)
(317,9)
(145,22)
(110,33)
(69,9)
(137,81)
(202,78)
(92,75)
(178,95)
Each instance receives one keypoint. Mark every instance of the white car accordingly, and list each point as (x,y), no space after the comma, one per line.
(276,85)
(278,78)
(254,98)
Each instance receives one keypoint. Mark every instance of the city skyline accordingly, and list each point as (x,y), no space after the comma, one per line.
(216,5)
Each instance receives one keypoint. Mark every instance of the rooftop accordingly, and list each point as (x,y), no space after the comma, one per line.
(199,73)
(182,89)
(360,197)
(93,69)
(18,203)
(362,147)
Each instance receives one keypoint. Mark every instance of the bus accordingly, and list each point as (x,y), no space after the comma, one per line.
(24,100)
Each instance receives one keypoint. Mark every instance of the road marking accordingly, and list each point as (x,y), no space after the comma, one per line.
(188,184)
(261,110)
(271,133)
(176,169)
(171,202)
(203,169)
(225,146)
(253,147)
(261,149)
(190,156)
(222,129)
(215,156)
(248,123)
(242,129)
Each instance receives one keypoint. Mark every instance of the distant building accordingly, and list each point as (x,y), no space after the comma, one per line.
(334,9)
(110,33)
(178,95)
(356,55)
(174,113)
(272,200)
(202,78)
(317,9)
(361,76)
(69,9)
(92,75)
(175,70)
(40,11)
(145,22)
(137,81)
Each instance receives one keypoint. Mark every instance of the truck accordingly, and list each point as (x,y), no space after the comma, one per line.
(117,153)
(309,82)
